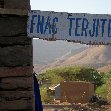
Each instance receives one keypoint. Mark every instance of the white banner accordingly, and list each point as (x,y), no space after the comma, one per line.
(76,27)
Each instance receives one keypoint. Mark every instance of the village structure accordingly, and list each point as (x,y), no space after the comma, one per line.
(73,91)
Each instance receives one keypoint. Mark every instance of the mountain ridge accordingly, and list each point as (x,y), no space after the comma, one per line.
(91,57)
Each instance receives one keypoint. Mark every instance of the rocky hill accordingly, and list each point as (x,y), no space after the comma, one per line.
(93,56)
(45,52)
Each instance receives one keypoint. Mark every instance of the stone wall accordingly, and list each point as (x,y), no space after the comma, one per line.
(16,83)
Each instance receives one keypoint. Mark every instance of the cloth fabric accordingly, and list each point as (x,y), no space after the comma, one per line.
(38,102)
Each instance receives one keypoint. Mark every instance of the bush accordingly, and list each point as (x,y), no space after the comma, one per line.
(105,90)
(45,96)
(58,75)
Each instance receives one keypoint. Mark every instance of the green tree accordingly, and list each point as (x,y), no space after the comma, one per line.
(57,75)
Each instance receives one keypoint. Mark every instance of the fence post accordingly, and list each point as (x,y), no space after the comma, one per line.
(16,67)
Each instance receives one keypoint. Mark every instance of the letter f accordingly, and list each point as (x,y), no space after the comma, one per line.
(32,23)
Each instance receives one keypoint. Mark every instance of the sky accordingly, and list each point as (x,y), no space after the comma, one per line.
(73,6)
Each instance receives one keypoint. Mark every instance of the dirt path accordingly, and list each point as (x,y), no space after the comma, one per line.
(75,107)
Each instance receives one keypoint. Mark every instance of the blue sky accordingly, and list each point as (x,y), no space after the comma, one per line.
(73,6)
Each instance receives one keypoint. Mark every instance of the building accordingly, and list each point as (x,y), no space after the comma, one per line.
(73,91)
(76,92)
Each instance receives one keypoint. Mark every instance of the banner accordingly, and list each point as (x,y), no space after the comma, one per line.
(75,27)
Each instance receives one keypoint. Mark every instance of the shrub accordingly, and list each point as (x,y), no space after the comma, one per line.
(105,90)
(55,76)
(45,96)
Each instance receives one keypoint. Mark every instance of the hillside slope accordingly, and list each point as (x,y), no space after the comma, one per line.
(92,56)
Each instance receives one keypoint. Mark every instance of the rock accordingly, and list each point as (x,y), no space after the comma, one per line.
(21,71)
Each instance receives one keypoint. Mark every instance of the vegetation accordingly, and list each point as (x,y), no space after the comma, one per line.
(46,98)
(58,75)
(104,91)
(55,76)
